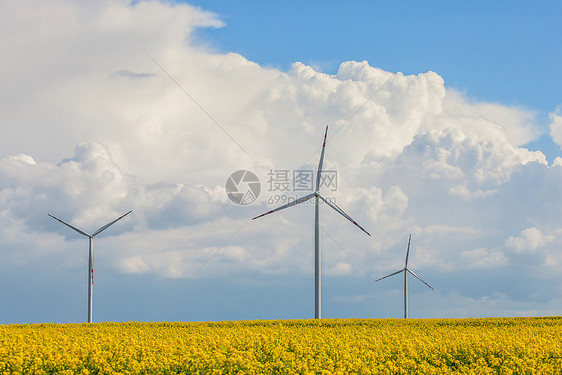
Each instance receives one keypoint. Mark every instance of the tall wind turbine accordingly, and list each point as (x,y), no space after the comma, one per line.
(317,255)
(406,270)
(91,257)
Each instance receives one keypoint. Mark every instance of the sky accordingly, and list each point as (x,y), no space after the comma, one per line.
(444,122)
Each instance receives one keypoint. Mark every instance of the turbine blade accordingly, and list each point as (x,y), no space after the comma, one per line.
(70,226)
(419,278)
(408,251)
(110,224)
(392,274)
(296,201)
(319,171)
(341,212)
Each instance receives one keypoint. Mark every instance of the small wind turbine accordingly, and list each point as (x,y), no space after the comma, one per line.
(91,257)
(406,270)
(317,256)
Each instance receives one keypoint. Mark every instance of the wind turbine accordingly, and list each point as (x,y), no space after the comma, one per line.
(91,257)
(317,255)
(406,270)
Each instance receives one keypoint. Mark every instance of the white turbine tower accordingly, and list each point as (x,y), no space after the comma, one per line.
(406,270)
(317,256)
(91,257)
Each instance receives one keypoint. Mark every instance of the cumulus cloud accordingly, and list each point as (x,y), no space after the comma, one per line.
(89,184)
(483,258)
(556,127)
(530,240)
(416,157)
(515,125)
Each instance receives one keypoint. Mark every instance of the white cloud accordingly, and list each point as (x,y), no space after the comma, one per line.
(556,127)
(339,269)
(23,157)
(557,162)
(530,240)
(454,155)
(515,125)
(462,191)
(483,258)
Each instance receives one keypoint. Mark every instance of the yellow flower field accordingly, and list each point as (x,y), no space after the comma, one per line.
(357,346)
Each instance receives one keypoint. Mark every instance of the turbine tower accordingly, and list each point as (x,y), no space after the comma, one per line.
(406,270)
(91,257)
(317,255)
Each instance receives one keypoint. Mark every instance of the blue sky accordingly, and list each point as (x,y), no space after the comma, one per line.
(461,149)
(502,51)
